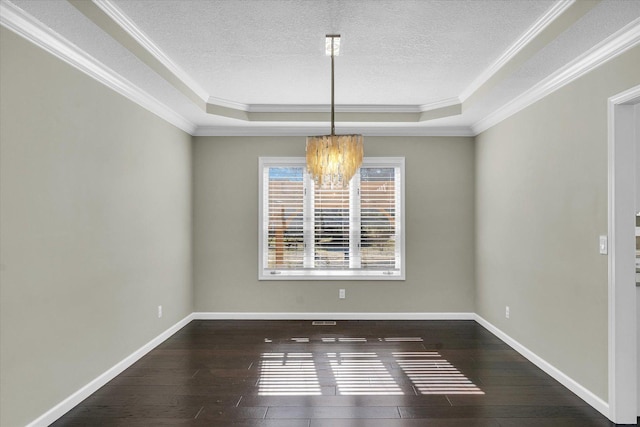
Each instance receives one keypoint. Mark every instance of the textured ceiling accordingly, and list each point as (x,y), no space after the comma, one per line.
(266,55)
(393,52)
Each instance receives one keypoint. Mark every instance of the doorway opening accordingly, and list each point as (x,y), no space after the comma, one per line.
(624,129)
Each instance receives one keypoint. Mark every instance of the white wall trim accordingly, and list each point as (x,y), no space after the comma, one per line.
(221,102)
(120,18)
(326,108)
(443,103)
(70,402)
(23,24)
(330,316)
(343,108)
(548,17)
(586,395)
(616,44)
(321,130)
(621,279)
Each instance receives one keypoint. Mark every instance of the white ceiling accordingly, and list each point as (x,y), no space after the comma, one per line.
(477,59)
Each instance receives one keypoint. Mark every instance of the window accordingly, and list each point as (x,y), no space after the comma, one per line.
(309,232)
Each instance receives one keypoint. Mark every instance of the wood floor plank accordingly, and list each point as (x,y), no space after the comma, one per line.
(499,411)
(520,396)
(555,422)
(136,411)
(484,422)
(169,422)
(334,401)
(299,412)
(232,413)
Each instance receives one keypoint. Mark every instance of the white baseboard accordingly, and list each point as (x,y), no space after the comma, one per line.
(332,316)
(70,402)
(593,400)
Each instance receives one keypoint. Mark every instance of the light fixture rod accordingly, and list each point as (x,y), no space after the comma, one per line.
(332,160)
(333,108)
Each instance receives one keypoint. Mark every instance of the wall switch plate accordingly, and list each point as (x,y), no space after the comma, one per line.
(159,311)
(604,245)
(506,312)
(342,294)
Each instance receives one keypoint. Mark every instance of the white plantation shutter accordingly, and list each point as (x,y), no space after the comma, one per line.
(379,210)
(313,232)
(285,213)
(331,227)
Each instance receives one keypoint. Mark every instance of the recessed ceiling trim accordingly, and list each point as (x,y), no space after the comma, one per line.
(438,113)
(123,36)
(326,108)
(344,108)
(339,117)
(15,19)
(449,102)
(114,21)
(547,34)
(618,43)
(120,18)
(344,113)
(118,25)
(212,100)
(229,112)
(23,24)
(556,10)
(303,131)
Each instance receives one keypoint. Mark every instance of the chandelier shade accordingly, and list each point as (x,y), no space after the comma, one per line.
(332,160)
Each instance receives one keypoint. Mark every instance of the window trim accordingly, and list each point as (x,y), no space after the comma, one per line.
(266,274)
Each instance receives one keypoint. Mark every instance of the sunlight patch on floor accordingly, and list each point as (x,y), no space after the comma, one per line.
(288,374)
(433,374)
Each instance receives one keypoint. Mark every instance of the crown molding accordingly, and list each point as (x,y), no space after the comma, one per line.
(233,109)
(23,24)
(226,103)
(616,44)
(556,10)
(325,108)
(120,18)
(20,22)
(317,130)
(443,103)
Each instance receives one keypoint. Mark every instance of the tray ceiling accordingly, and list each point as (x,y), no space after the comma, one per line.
(406,66)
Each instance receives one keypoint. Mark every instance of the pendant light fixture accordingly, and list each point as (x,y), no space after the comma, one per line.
(332,160)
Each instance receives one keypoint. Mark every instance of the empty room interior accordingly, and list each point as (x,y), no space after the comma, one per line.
(319,213)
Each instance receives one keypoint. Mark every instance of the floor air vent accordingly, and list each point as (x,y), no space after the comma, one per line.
(323,323)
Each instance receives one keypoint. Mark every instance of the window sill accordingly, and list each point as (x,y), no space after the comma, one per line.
(331,275)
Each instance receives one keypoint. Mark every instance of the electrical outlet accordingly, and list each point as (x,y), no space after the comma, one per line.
(506,312)
(159,311)
(342,294)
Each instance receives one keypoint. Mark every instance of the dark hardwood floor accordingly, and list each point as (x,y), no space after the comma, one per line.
(353,374)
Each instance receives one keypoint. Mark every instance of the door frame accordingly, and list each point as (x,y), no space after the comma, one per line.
(623,387)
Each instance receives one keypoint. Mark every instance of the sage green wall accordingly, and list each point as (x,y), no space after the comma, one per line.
(541,191)
(95,219)
(439,231)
